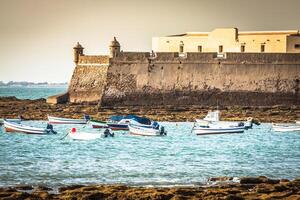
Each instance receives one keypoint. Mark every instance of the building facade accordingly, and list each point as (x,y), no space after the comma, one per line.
(230,40)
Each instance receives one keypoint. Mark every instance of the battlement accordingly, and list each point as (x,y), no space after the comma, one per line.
(91,60)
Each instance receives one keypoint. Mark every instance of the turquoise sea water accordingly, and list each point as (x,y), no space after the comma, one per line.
(32,92)
(180,158)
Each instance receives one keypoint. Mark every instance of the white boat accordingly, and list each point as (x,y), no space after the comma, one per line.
(207,128)
(60,120)
(213,117)
(17,120)
(286,127)
(216,129)
(145,127)
(146,130)
(98,124)
(14,127)
(73,134)
(297,122)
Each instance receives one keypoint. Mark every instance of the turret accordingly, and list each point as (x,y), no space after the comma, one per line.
(78,51)
(114,48)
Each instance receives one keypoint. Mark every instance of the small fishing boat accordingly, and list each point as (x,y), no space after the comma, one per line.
(98,124)
(288,127)
(118,123)
(17,120)
(14,127)
(214,118)
(145,127)
(73,134)
(207,128)
(59,120)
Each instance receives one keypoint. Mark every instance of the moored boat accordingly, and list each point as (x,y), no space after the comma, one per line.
(145,127)
(119,123)
(288,127)
(17,120)
(60,120)
(75,135)
(14,127)
(207,128)
(98,124)
(213,117)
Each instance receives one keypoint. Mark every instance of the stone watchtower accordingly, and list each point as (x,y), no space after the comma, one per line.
(78,51)
(114,48)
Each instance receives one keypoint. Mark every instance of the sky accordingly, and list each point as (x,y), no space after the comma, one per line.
(37,36)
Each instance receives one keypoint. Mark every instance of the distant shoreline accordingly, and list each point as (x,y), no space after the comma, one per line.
(38,109)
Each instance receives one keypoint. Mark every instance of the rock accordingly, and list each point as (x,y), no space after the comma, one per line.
(24,187)
(258,180)
(42,188)
(220,179)
(71,187)
(234,197)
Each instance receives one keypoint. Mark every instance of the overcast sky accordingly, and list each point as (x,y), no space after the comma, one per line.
(37,36)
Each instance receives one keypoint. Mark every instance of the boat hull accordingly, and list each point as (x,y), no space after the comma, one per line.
(286,127)
(11,127)
(214,131)
(98,124)
(84,136)
(137,130)
(58,120)
(118,127)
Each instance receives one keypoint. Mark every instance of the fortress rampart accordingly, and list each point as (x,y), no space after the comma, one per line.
(142,78)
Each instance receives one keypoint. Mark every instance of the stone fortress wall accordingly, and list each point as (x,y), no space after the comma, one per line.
(142,78)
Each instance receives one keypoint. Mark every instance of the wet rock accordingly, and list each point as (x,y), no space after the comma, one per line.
(234,197)
(220,179)
(42,188)
(258,180)
(71,187)
(38,109)
(24,187)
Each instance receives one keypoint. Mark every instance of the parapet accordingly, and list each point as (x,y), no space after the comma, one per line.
(92,60)
(131,57)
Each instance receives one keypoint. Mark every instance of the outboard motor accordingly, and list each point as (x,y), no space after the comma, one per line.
(107,133)
(240,124)
(86,117)
(162,131)
(50,129)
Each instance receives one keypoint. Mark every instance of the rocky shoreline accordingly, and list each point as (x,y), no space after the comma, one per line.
(11,107)
(220,188)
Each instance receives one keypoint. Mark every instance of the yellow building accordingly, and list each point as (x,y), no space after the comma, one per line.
(230,40)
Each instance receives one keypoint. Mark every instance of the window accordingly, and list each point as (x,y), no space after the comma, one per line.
(242,48)
(199,48)
(297,46)
(220,49)
(262,48)
(181,47)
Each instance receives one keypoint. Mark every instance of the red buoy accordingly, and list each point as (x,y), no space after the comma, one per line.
(73,130)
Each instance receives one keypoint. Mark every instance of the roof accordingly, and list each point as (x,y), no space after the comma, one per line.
(78,46)
(284,32)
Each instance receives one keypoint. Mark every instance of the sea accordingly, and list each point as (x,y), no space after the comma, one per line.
(179,159)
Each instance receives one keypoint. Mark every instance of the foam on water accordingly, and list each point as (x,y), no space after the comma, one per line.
(180,158)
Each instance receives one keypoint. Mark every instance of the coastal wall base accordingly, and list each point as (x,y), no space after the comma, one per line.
(58,99)
(87,84)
